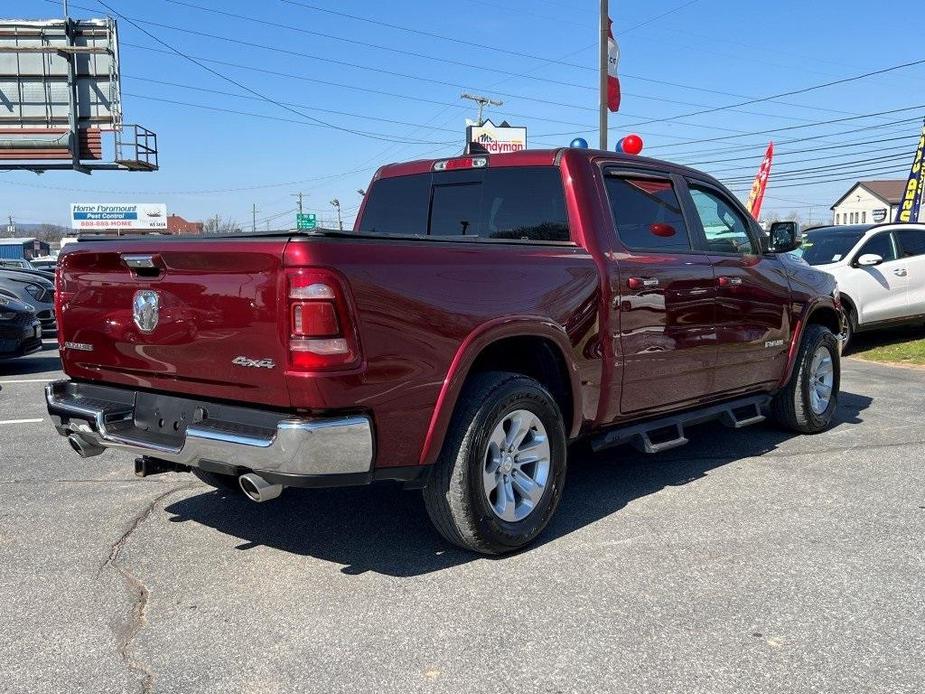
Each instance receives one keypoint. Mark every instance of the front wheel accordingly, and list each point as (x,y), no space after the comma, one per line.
(851,327)
(807,403)
(500,474)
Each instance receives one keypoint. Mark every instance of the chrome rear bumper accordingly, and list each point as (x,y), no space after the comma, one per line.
(241,438)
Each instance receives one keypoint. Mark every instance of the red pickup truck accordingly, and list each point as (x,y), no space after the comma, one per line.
(485,312)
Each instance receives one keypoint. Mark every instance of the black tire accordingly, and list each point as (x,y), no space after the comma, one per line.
(455,497)
(227,483)
(791,407)
(851,327)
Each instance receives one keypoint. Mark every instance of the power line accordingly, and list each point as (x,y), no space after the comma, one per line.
(755,157)
(415,54)
(812,159)
(740,148)
(440,82)
(243,86)
(249,114)
(353,87)
(791,174)
(795,127)
(823,179)
(792,92)
(441,37)
(364,116)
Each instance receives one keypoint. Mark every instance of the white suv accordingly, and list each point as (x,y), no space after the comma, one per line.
(880,271)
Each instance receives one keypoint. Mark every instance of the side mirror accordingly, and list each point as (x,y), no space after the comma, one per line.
(665,231)
(784,237)
(869,260)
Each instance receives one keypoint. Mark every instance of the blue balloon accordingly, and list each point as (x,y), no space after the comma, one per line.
(619,147)
(580,143)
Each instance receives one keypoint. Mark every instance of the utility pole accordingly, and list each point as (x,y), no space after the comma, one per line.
(604,59)
(299,196)
(11,229)
(335,203)
(482,101)
(254,217)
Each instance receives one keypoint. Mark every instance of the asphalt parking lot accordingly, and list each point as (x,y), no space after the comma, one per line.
(748,561)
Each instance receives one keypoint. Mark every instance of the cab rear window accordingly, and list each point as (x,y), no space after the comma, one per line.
(518,203)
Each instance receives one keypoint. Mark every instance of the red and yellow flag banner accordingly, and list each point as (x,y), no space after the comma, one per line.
(756,197)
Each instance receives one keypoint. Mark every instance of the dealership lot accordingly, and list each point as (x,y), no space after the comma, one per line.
(746,561)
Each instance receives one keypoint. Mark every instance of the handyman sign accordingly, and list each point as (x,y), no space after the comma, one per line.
(489,138)
(118,216)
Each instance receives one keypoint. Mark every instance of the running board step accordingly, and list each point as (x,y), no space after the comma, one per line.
(665,433)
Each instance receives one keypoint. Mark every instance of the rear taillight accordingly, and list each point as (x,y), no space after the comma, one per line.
(321,332)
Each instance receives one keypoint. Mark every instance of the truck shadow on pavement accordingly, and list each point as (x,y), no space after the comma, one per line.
(386,530)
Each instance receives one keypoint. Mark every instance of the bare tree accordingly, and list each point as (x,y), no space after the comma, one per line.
(50,232)
(219,225)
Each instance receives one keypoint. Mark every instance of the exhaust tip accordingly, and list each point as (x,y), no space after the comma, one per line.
(83,447)
(258,489)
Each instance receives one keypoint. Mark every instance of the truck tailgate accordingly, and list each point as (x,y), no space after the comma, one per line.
(216,329)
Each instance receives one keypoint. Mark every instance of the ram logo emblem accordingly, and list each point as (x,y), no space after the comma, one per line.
(146,309)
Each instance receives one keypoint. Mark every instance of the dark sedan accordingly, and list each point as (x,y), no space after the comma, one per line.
(20,329)
(34,291)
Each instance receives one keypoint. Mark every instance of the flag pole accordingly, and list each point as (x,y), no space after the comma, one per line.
(604,57)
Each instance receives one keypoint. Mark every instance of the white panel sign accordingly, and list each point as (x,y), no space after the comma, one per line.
(495,139)
(142,216)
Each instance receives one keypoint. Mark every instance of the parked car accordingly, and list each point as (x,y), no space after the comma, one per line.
(15,263)
(880,271)
(486,311)
(35,291)
(20,330)
(48,263)
(48,275)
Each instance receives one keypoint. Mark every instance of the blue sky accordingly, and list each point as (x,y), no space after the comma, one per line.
(405,85)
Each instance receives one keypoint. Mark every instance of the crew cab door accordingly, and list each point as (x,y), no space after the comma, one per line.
(879,292)
(663,293)
(752,291)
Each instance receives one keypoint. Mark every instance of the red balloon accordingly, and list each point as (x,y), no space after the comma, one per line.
(632,144)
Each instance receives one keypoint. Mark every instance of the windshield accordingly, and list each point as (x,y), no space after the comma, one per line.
(824,247)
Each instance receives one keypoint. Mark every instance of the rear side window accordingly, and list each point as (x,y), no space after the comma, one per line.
(524,203)
(882,245)
(647,214)
(912,242)
(397,205)
(519,203)
(455,210)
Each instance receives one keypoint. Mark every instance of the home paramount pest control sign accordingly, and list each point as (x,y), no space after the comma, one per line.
(122,216)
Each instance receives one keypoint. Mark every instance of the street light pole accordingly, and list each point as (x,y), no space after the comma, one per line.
(335,203)
(604,58)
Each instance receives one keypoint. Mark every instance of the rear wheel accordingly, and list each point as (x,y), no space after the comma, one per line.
(807,403)
(500,475)
(227,483)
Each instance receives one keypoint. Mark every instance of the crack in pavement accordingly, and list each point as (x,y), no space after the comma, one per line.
(137,587)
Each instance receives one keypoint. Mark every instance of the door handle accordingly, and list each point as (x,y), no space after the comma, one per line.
(642,282)
(900,272)
(728,281)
